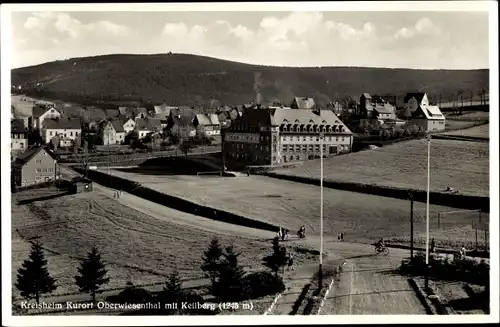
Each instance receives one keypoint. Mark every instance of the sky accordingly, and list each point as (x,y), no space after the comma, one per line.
(411,39)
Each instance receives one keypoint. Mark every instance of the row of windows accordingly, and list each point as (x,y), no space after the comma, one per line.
(45,170)
(311,129)
(65,134)
(38,178)
(303,148)
(312,138)
(247,146)
(18,136)
(243,156)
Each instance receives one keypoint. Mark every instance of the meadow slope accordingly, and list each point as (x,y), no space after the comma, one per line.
(362,217)
(459,164)
(137,247)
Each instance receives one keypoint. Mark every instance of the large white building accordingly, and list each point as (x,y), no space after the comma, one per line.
(276,136)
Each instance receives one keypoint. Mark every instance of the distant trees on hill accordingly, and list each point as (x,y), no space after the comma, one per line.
(196,80)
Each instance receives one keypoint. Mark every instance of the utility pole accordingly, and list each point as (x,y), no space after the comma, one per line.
(410,196)
(321,212)
(427,211)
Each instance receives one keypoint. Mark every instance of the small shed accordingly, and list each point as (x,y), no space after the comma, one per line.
(81,184)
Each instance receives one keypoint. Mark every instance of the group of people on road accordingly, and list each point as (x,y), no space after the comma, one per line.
(283,234)
(117,194)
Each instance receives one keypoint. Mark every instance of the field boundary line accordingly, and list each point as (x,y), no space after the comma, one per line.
(330,288)
(273,304)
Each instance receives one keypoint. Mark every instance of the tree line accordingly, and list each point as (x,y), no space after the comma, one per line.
(229,282)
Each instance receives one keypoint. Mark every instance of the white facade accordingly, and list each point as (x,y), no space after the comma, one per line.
(49,114)
(129,126)
(431,125)
(18,143)
(342,142)
(143,133)
(72,134)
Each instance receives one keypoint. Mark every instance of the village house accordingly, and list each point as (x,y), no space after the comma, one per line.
(129,126)
(302,103)
(140,113)
(412,101)
(429,118)
(112,132)
(18,137)
(180,122)
(375,107)
(36,165)
(147,126)
(207,125)
(41,113)
(277,136)
(66,129)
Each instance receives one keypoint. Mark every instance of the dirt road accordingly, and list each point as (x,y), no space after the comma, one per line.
(369,285)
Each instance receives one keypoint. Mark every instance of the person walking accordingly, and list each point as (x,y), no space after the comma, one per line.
(290,262)
(433,246)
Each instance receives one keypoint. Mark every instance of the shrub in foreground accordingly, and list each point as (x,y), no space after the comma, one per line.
(263,283)
(467,270)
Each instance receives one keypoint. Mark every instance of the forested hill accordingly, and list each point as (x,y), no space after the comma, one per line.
(181,79)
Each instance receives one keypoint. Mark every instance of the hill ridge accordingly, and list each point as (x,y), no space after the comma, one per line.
(185,79)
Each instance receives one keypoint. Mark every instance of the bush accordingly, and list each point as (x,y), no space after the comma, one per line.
(263,283)
(131,294)
(466,270)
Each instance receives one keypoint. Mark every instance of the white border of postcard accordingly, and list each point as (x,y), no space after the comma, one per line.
(9,320)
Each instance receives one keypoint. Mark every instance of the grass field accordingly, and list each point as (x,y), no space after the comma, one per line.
(470,116)
(459,164)
(478,131)
(136,246)
(361,217)
(454,125)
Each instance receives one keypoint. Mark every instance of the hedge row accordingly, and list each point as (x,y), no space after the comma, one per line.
(445,199)
(175,202)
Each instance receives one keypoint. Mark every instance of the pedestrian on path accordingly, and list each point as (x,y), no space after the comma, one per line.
(433,246)
(290,262)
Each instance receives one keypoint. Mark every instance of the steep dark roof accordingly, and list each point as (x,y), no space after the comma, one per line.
(118,126)
(112,112)
(17,126)
(39,110)
(148,124)
(72,112)
(62,124)
(30,153)
(417,95)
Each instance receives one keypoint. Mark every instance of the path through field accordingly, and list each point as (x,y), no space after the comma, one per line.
(369,285)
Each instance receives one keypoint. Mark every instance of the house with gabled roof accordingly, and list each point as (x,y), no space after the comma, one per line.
(34,166)
(207,125)
(147,126)
(41,113)
(303,103)
(18,136)
(112,132)
(429,118)
(375,107)
(181,120)
(63,128)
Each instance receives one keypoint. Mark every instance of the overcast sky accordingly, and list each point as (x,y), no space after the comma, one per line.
(430,40)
